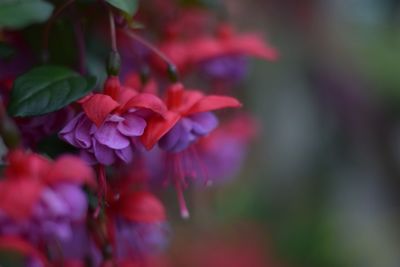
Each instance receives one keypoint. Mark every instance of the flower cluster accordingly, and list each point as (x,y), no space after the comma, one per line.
(147,126)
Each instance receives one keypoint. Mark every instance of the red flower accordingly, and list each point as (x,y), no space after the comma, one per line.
(142,207)
(181,103)
(28,173)
(186,53)
(136,214)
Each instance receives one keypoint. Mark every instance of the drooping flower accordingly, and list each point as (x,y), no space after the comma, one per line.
(79,250)
(111,122)
(137,226)
(40,199)
(188,118)
(221,56)
(223,151)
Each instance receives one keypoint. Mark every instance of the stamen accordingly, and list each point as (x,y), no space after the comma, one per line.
(181,200)
(102,191)
(178,180)
(180,170)
(203,168)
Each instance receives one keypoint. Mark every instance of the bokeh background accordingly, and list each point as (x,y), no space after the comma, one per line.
(320,186)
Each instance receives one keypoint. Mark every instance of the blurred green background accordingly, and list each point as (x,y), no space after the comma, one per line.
(321,184)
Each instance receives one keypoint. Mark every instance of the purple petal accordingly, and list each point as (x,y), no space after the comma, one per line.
(108,135)
(72,123)
(88,157)
(78,246)
(179,138)
(132,125)
(103,154)
(67,133)
(82,133)
(184,141)
(54,205)
(125,154)
(203,123)
(60,229)
(115,118)
(75,199)
(172,137)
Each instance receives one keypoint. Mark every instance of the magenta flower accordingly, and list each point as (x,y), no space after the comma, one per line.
(107,130)
(138,240)
(53,216)
(223,152)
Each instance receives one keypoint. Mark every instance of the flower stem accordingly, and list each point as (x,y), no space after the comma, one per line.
(48,28)
(114,60)
(171,68)
(112,31)
(80,44)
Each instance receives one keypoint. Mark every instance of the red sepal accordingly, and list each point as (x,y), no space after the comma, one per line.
(207,48)
(126,94)
(213,102)
(71,169)
(253,45)
(157,127)
(147,101)
(112,87)
(141,207)
(98,106)
(18,196)
(23,165)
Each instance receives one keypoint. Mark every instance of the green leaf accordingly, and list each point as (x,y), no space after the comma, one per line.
(21,13)
(47,88)
(127,6)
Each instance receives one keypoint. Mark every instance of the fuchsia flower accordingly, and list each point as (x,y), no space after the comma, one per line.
(41,200)
(137,226)
(224,150)
(188,118)
(220,56)
(111,122)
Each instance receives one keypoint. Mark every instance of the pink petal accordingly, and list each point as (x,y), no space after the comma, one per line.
(71,169)
(103,154)
(133,125)
(125,154)
(214,102)
(82,133)
(108,135)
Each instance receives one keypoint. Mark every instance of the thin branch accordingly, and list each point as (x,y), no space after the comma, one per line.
(50,24)
(112,31)
(173,71)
